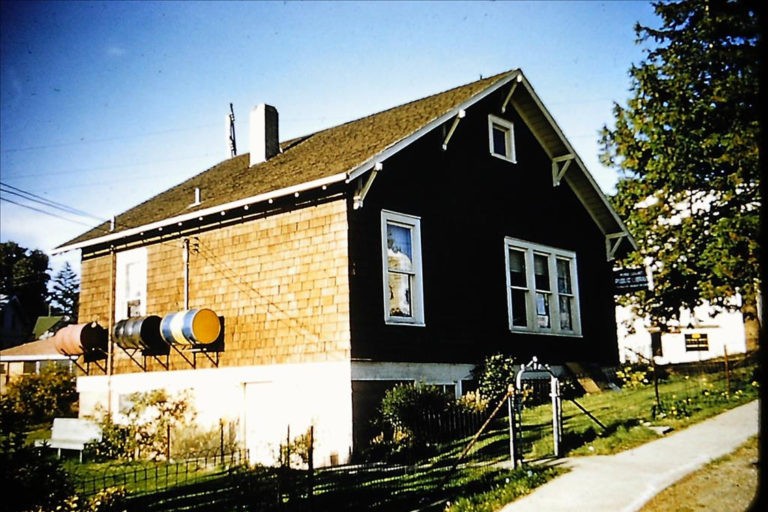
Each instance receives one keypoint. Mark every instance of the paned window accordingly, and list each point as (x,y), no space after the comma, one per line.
(401,256)
(541,289)
(501,137)
(131,284)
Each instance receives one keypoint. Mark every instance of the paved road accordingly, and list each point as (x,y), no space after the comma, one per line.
(626,481)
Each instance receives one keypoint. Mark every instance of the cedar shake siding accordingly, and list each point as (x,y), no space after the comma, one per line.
(279,282)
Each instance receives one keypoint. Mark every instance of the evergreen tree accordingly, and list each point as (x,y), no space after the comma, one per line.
(66,292)
(686,147)
(24,273)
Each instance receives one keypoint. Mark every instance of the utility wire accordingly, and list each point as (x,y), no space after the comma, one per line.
(44,212)
(46,202)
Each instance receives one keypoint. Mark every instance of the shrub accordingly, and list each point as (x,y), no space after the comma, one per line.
(494,375)
(44,396)
(405,406)
(145,434)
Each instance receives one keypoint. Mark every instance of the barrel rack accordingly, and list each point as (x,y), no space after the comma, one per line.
(162,353)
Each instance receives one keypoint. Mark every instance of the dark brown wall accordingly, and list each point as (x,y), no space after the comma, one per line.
(468,202)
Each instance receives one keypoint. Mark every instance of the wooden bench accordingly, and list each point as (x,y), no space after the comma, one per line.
(71,434)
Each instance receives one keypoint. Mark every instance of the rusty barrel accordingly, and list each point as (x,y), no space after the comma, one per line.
(190,327)
(138,332)
(77,339)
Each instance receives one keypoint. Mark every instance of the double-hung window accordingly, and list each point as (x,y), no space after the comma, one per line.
(131,283)
(542,291)
(401,257)
(501,138)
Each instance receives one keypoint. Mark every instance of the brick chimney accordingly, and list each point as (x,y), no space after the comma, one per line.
(264,138)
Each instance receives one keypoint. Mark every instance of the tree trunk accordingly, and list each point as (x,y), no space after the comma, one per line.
(751,322)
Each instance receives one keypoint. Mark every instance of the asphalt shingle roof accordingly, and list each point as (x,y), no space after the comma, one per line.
(319,155)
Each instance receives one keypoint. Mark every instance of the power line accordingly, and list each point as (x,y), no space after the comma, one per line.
(45,212)
(46,202)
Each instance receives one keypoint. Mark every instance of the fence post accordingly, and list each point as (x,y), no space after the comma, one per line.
(727,373)
(511,417)
(311,465)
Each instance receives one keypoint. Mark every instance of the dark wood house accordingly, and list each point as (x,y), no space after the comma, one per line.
(403,246)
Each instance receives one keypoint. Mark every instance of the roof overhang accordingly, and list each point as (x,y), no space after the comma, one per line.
(567,166)
(218,209)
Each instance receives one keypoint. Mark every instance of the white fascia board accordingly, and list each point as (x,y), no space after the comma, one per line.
(366,166)
(39,357)
(302,187)
(579,162)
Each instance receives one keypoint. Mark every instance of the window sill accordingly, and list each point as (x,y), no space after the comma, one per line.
(546,333)
(405,323)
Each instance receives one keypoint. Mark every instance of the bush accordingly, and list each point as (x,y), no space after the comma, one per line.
(405,406)
(494,375)
(149,419)
(44,396)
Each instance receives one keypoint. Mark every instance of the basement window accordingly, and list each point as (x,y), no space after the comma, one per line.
(542,289)
(501,138)
(402,274)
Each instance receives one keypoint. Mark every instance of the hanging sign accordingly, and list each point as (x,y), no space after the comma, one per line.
(630,280)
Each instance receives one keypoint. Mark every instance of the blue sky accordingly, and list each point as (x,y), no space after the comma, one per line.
(105,104)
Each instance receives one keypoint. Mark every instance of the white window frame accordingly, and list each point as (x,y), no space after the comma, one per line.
(553,255)
(136,260)
(509,138)
(417,285)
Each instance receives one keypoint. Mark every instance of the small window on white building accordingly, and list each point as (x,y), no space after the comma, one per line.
(501,138)
(131,284)
(542,292)
(401,256)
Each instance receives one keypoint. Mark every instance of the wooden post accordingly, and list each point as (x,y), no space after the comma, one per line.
(511,413)
(311,465)
(727,373)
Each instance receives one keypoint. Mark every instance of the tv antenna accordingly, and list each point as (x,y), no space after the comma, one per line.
(231,128)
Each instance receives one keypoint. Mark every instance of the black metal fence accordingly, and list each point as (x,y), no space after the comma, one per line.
(228,483)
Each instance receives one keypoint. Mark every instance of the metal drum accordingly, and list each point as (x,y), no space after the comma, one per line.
(190,327)
(138,332)
(77,339)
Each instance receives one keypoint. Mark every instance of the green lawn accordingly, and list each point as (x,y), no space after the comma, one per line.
(478,482)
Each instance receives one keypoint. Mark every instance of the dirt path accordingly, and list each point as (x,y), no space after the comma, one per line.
(728,484)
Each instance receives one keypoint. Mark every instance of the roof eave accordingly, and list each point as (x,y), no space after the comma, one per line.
(379,157)
(275,194)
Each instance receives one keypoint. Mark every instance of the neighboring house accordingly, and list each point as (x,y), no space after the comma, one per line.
(14,325)
(694,337)
(32,357)
(404,246)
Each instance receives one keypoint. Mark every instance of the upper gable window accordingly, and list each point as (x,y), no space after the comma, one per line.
(501,138)
(542,292)
(131,283)
(401,257)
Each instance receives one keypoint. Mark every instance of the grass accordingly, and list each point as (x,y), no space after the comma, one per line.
(479,483)
(628,413)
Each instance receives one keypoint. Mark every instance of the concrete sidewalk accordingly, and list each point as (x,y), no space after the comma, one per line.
(626,481)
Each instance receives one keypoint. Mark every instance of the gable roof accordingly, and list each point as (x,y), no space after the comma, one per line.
(38,350)
(341,154)
(44,324)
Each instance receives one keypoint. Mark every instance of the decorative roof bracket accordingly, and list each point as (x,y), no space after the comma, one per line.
(362,189)
(559,167)
(459,116)
(510,93)
(612,243)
